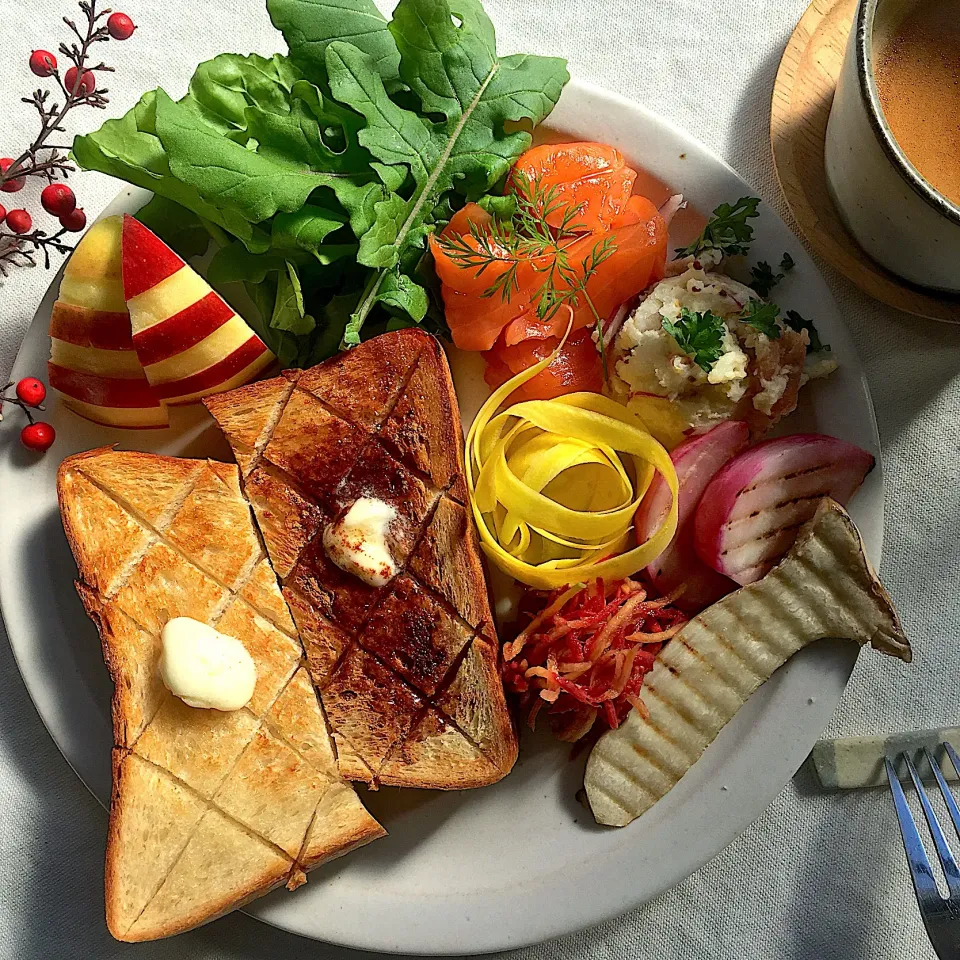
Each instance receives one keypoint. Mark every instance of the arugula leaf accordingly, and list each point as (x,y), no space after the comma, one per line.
(796,322)
(196,154)
(455,71)
(175,225)
(762,277)
(229,176)
(449,65)
(727,230)
(699,335)
(311,129)
(763,317)
(401,292)
(378,245)
(234,263)
(306,228)
(310,26)
(500,208)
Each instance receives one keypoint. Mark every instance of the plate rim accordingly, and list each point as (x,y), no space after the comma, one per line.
(618,898)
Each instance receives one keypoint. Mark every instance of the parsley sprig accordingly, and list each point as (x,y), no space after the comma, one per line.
(762,277)
(727,230)
(699,335)
(762,316)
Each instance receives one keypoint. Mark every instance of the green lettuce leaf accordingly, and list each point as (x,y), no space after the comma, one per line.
(130,149)
(310,26)
(289,313)
(226,87)
(320,175)
(229,176)
(234,263)
(306,228)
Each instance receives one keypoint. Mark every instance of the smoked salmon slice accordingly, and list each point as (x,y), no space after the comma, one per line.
(505,277)
(574,369)
(591,176)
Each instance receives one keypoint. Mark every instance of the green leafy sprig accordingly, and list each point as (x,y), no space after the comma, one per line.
(762,277)
(699,335)
(727,230)
(762,316)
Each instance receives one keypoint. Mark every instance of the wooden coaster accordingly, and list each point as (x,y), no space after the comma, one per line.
(802,96)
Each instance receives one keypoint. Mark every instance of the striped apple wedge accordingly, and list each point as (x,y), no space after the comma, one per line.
(92,360)
(190,342)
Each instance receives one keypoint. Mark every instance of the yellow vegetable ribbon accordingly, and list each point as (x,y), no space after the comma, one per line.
(554,485)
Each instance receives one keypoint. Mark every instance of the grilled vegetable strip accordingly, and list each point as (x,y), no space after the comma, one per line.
(824,588)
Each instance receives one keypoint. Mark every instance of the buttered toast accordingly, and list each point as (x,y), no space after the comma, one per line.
(209,809)
(408,669)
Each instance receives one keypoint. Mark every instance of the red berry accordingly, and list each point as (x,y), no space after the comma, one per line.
(31,391)
(43,63)
(58,199)
(74,221)
(10,186)
(38,436)
(3,213)
(88,82)
(121,27)
(19,221)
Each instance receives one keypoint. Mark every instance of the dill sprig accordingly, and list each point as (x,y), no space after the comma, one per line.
(540,233)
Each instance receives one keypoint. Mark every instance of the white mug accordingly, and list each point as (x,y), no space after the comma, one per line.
(895,215)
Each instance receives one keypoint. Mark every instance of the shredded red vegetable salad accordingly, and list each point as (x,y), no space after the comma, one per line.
(583,657)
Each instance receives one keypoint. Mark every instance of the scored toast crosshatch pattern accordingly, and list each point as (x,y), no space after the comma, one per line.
(388,661)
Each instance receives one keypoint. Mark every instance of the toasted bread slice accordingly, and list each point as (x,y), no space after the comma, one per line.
(209,809)
(248,417)
(407,672)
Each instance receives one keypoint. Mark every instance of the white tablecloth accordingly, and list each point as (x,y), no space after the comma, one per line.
(817,877)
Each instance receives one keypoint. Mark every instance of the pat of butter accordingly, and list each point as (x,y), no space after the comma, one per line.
(206,668)
(357,542)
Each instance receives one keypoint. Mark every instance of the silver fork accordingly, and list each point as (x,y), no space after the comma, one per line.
(941,915)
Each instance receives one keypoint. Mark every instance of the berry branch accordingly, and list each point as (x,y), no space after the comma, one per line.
(14,253)
(30,394)
(79,85)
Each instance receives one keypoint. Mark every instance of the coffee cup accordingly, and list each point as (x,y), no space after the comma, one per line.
(895,213)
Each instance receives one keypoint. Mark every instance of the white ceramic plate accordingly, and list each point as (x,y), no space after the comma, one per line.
(522,861)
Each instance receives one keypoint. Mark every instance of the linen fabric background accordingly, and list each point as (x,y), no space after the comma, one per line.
(816,877)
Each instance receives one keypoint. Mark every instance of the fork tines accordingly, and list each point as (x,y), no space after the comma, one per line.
(941,915)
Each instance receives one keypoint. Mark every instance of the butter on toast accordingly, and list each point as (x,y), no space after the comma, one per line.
(408,672)
(209,809)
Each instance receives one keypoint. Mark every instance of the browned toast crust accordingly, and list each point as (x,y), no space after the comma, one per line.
(383,421)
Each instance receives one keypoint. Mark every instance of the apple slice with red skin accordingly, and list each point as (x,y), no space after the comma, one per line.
(696,461)
(753,509)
